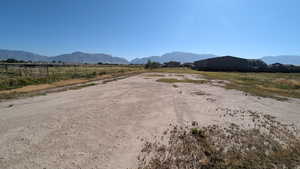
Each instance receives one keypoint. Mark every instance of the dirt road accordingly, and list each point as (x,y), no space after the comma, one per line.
(102,126)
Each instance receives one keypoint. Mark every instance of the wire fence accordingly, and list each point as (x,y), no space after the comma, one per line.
(46,70)
(18,75)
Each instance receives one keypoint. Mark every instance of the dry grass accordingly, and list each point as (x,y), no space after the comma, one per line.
(268,144)
(273,85)
(82,86)
(173,80)
(32,88)
(20,77)
(154,75)
(42,89)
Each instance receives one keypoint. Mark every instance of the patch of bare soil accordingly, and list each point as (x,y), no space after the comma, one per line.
(101,126)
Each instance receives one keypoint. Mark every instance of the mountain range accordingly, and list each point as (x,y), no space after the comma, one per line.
(81,57)
(182,57)
(283,59)
(20,55)
(75,57)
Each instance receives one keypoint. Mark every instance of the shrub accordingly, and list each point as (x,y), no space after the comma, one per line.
(270,144)
(152,65)
(172,64)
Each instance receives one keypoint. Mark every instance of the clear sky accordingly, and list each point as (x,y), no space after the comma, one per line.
(138,28)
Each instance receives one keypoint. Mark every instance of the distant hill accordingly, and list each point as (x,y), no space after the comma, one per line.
(182,57)
(283,59)
(21,55)
(76,57)
(80,57)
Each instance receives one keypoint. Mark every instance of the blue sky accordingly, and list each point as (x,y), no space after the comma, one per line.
(138,28)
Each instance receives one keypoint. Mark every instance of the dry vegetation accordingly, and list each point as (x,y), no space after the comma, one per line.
(16,77)
(271,85)
(154,75)
(274,85)
(264,144)
(174,80)
(22,81)
(64,72)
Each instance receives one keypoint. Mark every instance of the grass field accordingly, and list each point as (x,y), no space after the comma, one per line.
(274,85)
(26,82)
(271,85)
(173,80)
(19,77)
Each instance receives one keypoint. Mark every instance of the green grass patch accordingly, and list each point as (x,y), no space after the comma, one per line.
(155,75)
(272,85)
(173,80)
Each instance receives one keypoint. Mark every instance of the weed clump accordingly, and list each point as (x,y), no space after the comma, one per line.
(154,75)
(173,80)
(229,147)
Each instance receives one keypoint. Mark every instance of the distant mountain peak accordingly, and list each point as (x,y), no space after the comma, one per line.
(75,57)
(182,57)
(20,55)
(283,59)
(81,57)
(78,53)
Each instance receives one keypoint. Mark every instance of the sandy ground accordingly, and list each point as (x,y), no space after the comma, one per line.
(102,126)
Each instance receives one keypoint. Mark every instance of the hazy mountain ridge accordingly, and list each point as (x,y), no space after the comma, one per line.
(76,57)
(80,57)
(21,55)
(283,59)
(182,57)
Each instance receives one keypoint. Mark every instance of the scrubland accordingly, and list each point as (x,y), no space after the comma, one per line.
(161,119)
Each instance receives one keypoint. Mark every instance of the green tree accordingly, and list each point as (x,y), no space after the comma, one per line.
(152,65)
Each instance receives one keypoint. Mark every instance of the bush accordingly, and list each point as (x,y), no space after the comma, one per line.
(270,144)
(152,65)
(10,60)
(172,64)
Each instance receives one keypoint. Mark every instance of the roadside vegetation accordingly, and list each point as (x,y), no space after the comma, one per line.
(16,77)
(82,86)
(174,80)
(152,65)
(271,85)
(266,144)
(154,75)
(18,81)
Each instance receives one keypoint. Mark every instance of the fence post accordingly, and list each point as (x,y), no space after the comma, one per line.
(47,69)
(20,71)
(6,68)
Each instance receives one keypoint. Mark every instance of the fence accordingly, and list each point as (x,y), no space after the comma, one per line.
(43,70)
(58,70)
